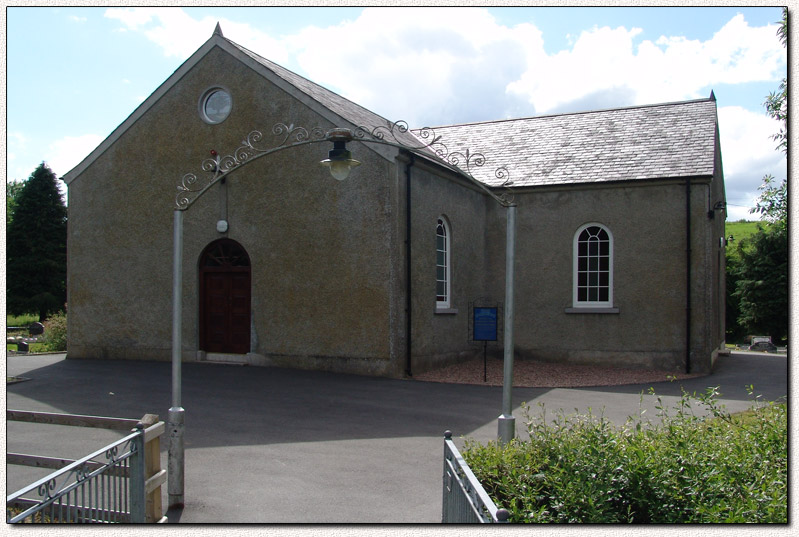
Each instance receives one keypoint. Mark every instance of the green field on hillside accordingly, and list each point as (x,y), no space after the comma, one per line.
(739,230)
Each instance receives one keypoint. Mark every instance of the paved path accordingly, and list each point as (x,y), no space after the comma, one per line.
(277,445)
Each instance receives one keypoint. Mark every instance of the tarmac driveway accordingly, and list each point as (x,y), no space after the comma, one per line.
(268,445)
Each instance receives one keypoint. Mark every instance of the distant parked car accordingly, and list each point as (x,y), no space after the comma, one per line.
(763,346)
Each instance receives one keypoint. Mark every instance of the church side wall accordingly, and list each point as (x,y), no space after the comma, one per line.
(441,336)
(647,222)
(715,263)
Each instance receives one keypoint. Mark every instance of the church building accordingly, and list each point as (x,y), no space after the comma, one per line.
(619,231)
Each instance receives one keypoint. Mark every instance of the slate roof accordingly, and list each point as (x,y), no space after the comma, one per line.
(644,142)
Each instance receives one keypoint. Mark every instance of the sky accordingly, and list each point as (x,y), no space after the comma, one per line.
(73,74)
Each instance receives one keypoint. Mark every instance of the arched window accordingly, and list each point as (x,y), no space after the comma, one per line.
(224,253)
(593,267)
(443,265)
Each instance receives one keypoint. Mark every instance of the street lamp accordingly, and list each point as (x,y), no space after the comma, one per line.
(339,159)
(340,162)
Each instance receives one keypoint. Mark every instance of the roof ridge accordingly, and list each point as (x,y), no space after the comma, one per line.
(581,112)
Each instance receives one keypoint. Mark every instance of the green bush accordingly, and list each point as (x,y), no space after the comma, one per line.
(55,333)
(685,468)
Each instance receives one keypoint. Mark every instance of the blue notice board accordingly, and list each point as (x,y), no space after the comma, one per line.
(485,324)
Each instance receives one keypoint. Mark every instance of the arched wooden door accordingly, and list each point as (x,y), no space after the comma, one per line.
(225,298)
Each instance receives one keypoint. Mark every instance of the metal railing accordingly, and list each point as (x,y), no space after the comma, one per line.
(89,490)
(110,485)
(464,499)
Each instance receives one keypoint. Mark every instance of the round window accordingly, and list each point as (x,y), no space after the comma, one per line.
(215,106)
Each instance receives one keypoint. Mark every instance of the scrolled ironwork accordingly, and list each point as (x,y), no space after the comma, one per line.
(111,454)
(382,132)
(507,197)
(469,160)
(397,134)
(45,490)
(189,188)
(464,162)
(393,134)
(82,473)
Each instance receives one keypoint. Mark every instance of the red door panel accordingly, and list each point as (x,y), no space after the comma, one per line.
(225,299)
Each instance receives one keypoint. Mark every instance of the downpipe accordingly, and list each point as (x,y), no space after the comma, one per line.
(408,280)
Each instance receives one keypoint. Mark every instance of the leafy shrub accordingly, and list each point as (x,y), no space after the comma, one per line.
(706,468)
(55,333)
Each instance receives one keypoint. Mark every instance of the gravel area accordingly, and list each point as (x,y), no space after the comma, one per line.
(532,374)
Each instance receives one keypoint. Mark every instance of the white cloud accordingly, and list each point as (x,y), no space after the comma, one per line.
(16,146)
(670,69)
(746,142)
(61,155)
(600,61)
(169,27)
(748,154)
(66,153)
(132,17)
(442,65)
(179,35)
(16,139)
(428,66)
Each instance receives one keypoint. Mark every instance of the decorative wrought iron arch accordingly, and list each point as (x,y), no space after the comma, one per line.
(289,136)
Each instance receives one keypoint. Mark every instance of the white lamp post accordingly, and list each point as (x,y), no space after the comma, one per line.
(506,423)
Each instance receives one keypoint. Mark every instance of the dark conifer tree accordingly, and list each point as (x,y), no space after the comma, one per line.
(36,247)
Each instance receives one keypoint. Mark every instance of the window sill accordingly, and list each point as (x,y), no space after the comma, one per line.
(446,311)
(593,310)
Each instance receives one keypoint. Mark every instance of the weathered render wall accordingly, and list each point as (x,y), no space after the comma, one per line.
(712,303)
(322,252)
(649,235)
(442,336)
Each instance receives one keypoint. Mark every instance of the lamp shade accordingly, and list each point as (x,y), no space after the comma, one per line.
(340,169)
(340,161)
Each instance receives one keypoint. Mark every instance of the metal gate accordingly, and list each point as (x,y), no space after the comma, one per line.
(464,499)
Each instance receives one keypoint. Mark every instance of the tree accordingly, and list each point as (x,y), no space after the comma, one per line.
(733,328)
(761,284)
(777,101)
(773,202)
(12,193)
(757,283)
(36,256)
